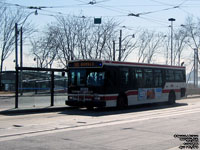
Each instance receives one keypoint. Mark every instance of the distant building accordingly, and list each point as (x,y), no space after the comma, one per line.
(8,80)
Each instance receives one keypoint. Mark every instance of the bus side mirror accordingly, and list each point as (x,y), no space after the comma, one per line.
(63,74)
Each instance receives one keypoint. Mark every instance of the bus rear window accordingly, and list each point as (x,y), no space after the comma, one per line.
(169,75)
(179,75)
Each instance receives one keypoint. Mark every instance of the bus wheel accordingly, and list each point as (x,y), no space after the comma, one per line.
(90,108)
(121,102)
(172,98)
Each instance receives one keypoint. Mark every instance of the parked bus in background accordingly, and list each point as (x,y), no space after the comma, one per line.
(95,83)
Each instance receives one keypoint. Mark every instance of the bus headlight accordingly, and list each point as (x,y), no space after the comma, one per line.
(70,98)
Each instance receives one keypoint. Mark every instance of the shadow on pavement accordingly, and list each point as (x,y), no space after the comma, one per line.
(96,112)
(16,112)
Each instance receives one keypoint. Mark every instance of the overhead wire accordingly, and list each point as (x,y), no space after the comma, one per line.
(52,13)
(162,3)
(122,12)
(101,6)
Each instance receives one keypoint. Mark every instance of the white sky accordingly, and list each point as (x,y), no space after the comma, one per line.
(153,14)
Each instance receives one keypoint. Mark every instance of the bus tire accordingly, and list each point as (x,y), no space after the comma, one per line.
(171,98)
(122,101)
(89,107)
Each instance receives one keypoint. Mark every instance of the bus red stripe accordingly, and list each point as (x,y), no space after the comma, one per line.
(177,90)
(132,93)
(109,98)
(167,91)
(128,93)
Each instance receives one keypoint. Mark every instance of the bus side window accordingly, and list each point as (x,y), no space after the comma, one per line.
(124,76)
(111,84)
(111,78)
(139,78)
(133,80)
(72,76)
(148,78)
(158,78)
(169,75)
(179,76)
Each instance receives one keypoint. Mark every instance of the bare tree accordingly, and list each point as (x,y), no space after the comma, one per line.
(7,39)
(102,37)
(67,29)
(129,45)
(166,48)
(45,49)
(180,42)
(77,38)
(193,32)
(149,44)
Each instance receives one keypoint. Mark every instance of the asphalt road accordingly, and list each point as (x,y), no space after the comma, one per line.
(146,127)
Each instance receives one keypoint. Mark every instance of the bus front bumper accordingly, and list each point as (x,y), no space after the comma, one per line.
(86,103)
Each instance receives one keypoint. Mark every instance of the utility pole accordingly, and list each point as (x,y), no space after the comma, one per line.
(21,60)
(16,66)
(197,70)
(171,19)
(120,45)
(21,47)
(113,50)
(195,67)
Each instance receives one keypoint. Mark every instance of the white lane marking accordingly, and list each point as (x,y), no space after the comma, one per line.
(174,148)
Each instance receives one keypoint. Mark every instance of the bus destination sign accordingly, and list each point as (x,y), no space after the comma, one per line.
(86,64)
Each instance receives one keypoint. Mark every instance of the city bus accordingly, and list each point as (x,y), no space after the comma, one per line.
(101,83)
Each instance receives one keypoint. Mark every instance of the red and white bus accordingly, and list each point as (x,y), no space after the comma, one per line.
(95,83)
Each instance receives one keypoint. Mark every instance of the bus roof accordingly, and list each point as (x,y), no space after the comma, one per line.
(101,63)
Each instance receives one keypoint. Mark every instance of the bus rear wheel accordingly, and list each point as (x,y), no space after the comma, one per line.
(122,102)
(172,98)
(90,107)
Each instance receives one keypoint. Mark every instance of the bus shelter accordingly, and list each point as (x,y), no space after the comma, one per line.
(40,86)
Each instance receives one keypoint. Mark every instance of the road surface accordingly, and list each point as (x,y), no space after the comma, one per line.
(146,127)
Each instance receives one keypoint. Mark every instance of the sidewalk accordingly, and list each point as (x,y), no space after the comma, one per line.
(193,96)
(21,111)
(7,104)
(7,94)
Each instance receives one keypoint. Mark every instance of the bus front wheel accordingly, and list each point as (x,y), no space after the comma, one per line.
(172,98)
(122,102)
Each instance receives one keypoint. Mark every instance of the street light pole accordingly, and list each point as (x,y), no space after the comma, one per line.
(21,36)
(21,60)
(113,50)
(21,49)
(16,66)
(171,19)
(120,45)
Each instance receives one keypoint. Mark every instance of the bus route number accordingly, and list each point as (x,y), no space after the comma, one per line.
(84,64)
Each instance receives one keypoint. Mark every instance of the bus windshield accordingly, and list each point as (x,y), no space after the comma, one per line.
(86,77)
